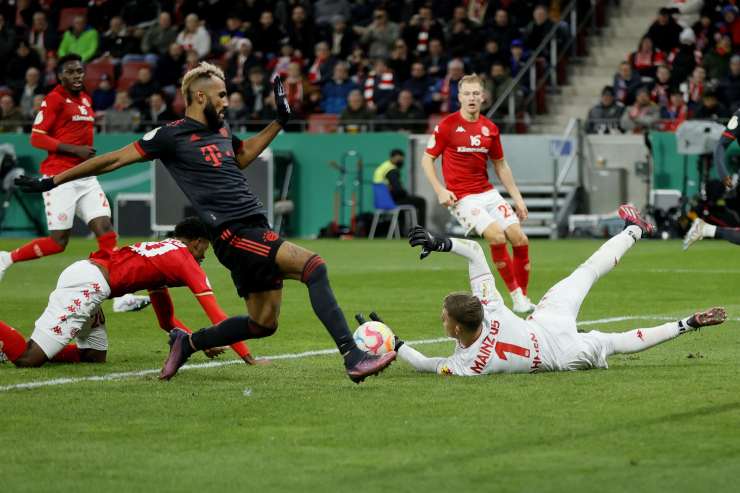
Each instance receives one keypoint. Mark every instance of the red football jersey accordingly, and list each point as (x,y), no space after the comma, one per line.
(69,119)
(465,147)
(151,265)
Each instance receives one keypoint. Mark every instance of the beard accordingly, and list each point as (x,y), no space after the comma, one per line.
(212,117)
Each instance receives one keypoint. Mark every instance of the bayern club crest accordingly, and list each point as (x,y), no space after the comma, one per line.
(485,131)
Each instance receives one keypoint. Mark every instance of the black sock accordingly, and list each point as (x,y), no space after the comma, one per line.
(230,331)
(325,306)
(730,234)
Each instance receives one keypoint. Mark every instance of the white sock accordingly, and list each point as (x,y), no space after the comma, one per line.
(708,230)
(638,340)
(611,252)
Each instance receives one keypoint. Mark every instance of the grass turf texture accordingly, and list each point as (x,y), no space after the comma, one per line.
(663,420)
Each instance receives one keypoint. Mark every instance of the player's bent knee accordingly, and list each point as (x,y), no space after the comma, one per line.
(314,270)
(258,331)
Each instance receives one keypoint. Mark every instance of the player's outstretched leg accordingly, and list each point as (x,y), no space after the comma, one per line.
(700,229)
(40,247)
(638,340)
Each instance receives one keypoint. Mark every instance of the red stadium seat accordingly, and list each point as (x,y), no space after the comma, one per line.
(129,72)
(67,15)
(323,123)
(433,121)
(94,70)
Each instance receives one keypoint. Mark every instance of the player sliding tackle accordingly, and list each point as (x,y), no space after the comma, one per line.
(74,309)
(492,339)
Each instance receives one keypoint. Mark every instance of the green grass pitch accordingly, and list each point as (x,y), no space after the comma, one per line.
(663,420)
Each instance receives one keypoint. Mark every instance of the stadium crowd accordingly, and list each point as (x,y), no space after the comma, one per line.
(686,66)
(392,64)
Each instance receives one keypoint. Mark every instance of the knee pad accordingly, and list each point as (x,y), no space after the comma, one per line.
(314,269)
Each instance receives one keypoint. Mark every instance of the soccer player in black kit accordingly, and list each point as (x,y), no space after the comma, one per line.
(206,160)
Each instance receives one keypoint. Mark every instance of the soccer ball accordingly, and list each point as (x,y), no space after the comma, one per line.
(374,337)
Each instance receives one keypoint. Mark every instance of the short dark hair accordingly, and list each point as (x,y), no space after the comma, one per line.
(70,57)
(191,228)
(397,152)
(465,309)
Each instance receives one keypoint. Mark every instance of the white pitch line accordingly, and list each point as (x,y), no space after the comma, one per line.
(305,354)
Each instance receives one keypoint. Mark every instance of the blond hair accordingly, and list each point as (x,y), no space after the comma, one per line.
(204,70)
(470,79)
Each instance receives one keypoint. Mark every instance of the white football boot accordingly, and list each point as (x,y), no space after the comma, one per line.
(5,262)
(520,303)
(130,303)
(694,234)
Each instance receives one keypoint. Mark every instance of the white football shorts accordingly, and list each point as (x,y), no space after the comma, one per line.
(84,198)
(478,211)
(74,311)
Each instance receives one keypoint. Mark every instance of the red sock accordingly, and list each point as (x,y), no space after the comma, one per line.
(14,344)
(69,354)
(107,241)
(40,247)
(504,265)
(521,266)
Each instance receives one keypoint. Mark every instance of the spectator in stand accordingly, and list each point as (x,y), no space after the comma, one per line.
(144,87)
(239,64)
(604,118)
(326,11)
(159,37)
(266,36)
(356,115)
(518,57)
(704,30)
(303,96)
(335,91)
(664,32)
(495,85)
(400,61)
(693,89)
(31,88)
(662,86)
(80,39)
(418,83)
(41,37)
(380,35)
(300,31)
(323,64)
(279,65)
(684,58)
(717,61)
(169,68)
(7,44)
(420,29)
(711,108)
(626,83)
(192,59)
(675,112)
(642,116)
(490,55)
(731,24)
(359,65)
(405,114)
(340,38)
(104,95)
(435,61)
(116,42)
(502,31)
(256,92)
(195,37)
(379,88)
(460,39)
(537,29)
(231,34)
(99,12)
(444,93)
(49,75)
(11,118)
(157,113)
(122,116)
(647,58)
(729,86)
(17,66)
(237,113)
(35,108)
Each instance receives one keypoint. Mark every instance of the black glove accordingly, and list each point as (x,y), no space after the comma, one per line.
(419,236)
(376,318)
(281,102)
(360,318)
(35,185)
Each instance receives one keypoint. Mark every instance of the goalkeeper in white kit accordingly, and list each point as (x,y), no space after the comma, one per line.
(490,338)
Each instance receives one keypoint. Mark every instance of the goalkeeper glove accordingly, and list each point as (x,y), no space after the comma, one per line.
(35,185)
(284,113)
(429,243)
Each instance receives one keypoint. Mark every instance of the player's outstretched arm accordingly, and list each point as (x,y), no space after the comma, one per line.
(98,165)
(503,171)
